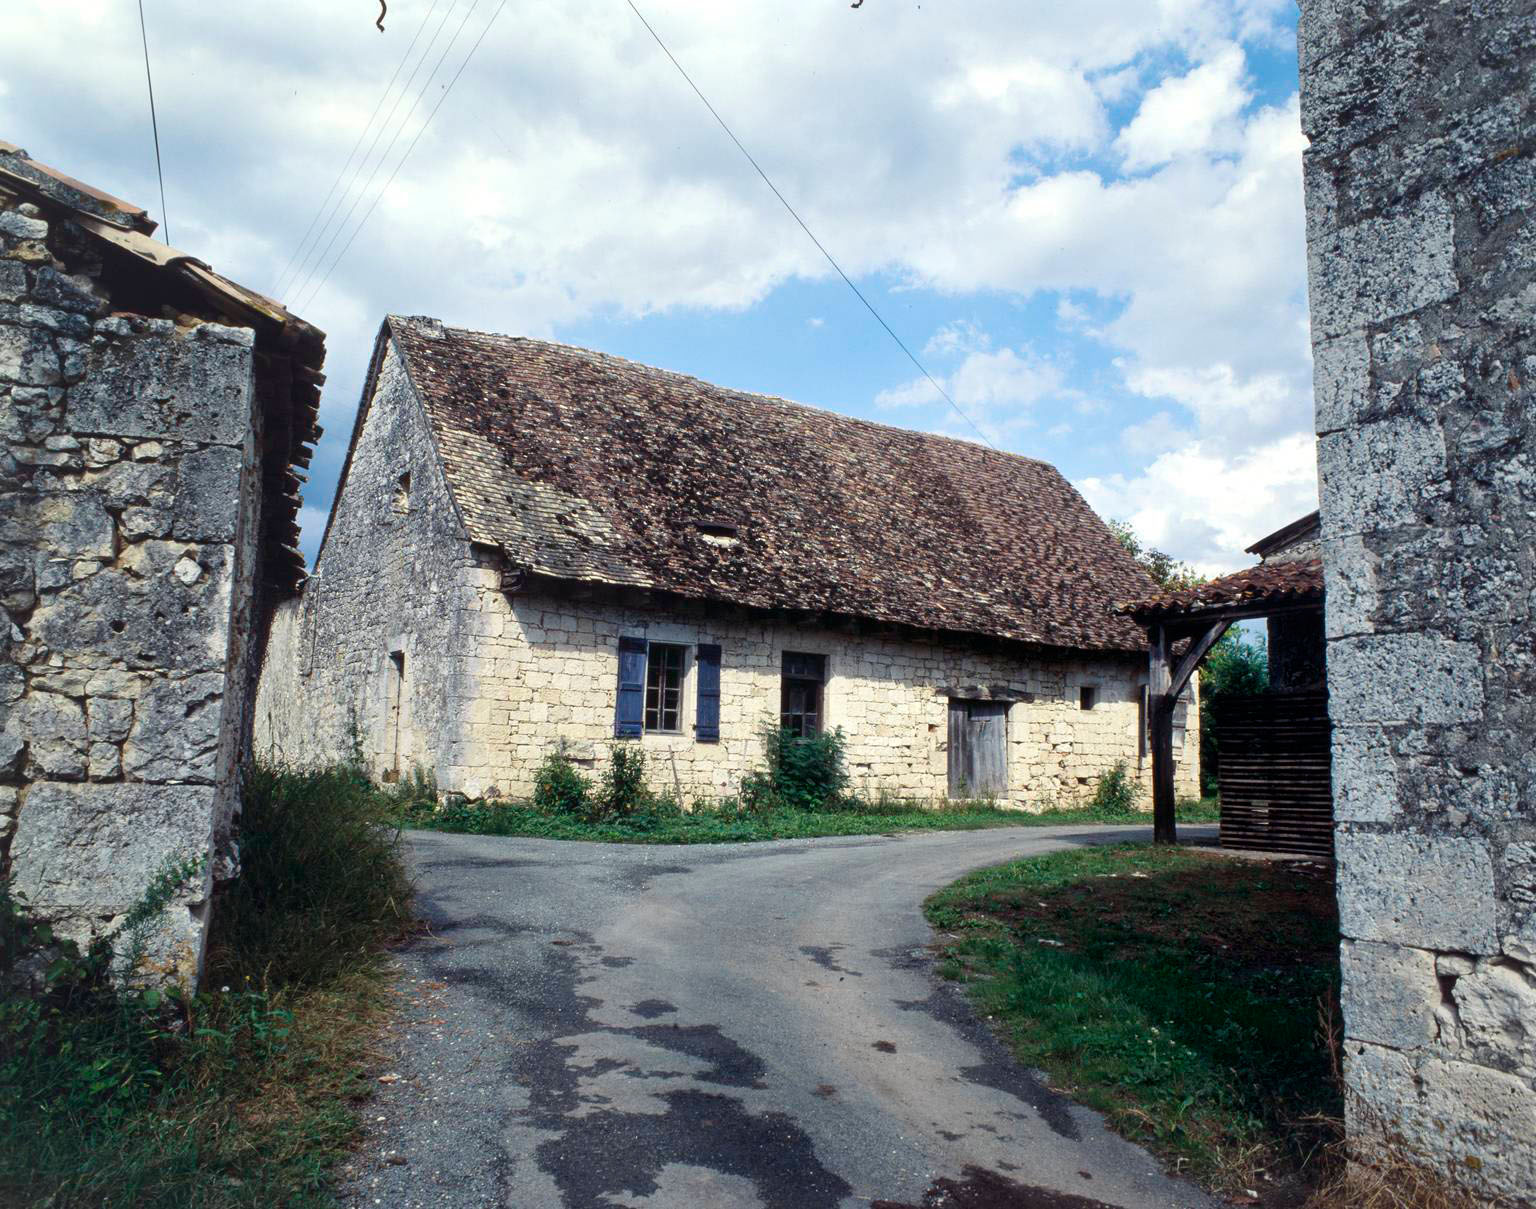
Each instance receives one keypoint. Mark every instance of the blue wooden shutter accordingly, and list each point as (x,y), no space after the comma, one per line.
(707,730)
(629,714)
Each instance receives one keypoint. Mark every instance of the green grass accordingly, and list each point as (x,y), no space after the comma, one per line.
(246,1094)
(706,824)
(1189,997)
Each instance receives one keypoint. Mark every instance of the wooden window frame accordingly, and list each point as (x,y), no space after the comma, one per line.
(816,686)
(658,672)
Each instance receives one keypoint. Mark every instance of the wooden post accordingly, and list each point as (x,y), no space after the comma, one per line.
(1164,684)
(1160,735)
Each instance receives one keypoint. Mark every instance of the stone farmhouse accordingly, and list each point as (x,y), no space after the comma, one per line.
(533,545)
(154,420)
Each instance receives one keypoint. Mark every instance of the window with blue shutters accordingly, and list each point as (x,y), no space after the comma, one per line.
(707,728)
(629,714)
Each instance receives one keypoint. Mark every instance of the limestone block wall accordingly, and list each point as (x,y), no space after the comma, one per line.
(1422,249)
(546,671)
(128,504)
(492,682)
(395,577)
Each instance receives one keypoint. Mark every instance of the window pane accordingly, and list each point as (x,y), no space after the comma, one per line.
(800,709)
(664,687)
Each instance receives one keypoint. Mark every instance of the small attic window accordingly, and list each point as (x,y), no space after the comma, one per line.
(717,532)
(402,503)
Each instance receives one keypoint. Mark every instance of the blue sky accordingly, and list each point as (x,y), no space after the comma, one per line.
(1086,219)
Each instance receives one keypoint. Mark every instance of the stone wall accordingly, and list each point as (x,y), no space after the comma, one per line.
(494,682)
(1422,246)
(129,499)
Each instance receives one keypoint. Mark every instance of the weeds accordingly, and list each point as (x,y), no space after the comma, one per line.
(321,877)
(558,789)
(1116,792)
(241,1095)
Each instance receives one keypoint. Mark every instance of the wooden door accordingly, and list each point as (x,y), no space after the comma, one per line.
(978,748)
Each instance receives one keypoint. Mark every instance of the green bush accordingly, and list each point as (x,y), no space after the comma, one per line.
(321,879)
(558,788)
(807,773)
(1116,792)
(621,792)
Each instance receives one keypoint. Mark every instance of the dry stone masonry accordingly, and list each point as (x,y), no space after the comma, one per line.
(137,464)
(1420,184)
(417,647)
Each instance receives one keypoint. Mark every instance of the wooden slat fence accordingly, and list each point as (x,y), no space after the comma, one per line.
(1274,769)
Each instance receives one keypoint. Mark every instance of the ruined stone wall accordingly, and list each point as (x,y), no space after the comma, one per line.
(1422,248)
(493,683)
(128,498)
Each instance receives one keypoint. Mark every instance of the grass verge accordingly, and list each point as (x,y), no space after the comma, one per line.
(706,824)
(1189,997)
(246,1094)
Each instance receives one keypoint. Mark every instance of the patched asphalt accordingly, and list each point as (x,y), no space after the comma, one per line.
(600,1025)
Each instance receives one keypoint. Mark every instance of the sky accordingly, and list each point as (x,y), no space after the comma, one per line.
(1085,219)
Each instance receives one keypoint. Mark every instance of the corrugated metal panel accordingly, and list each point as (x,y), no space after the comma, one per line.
(1274,770)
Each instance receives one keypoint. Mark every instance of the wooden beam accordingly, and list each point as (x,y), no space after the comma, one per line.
(1199,648)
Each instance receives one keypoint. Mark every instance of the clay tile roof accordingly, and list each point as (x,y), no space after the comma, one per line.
(587,467)
(1267,585)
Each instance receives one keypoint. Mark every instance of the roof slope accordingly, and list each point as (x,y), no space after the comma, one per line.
(1267,585)
(585,466)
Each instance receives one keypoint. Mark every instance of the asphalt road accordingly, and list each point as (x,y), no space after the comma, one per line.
(726,1025)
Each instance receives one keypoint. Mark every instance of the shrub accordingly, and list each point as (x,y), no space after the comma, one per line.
(321,879)
(803,773)
(622,792)
(558,788)
(1116,792)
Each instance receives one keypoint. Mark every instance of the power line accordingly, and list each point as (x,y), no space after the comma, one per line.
(307,270)
(154,125)
(361,135)
(859,294)
(379,196)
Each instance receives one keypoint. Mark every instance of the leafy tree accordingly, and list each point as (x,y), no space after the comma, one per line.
(1238,666)
(1166,571)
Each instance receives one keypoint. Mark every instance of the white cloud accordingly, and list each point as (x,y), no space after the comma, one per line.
(1204,507)
(997,391)
(1188,114)
(1156,435)
(571,173)
(959,336)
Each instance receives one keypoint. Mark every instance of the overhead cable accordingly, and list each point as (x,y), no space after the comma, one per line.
(820,247)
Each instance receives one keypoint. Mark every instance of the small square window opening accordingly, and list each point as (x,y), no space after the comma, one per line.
(664,688)
(402,502)
(1087,696)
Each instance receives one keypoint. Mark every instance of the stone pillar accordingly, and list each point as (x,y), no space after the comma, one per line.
(1421,232)
(127,522)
